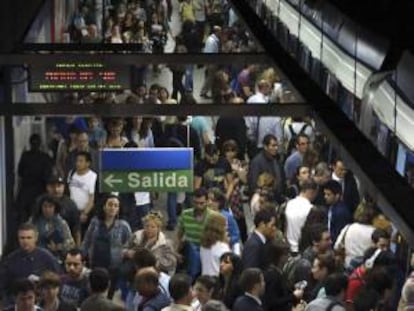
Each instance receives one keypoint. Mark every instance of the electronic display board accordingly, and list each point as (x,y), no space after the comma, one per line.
(79,76)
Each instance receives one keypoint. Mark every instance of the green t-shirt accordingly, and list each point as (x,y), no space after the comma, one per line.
(192,227)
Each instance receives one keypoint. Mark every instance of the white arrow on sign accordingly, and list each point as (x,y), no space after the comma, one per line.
(110,181)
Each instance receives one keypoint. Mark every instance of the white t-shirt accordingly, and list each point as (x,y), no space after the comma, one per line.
(296,212)
(142,198)
(81,187)
(210,258)
(357,240)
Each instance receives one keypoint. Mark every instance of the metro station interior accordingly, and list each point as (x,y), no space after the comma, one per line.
(341,79)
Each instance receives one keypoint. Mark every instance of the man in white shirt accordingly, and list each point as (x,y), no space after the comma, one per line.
(259,127)
(82,183)
(297,211)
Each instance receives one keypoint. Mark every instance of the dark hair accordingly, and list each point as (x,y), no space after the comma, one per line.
(297,171)
(99,280)
(200,192)
(34,138)
(301,135)
(264,216)
(22,285)
(180,285)
(333,186)
(268,138)
(386,259)
(27,227)
(100,213)
(154,87)
(230,144)
(86,155)
(316,216)
(327,261)
(211,149)
(46,199)
(130,144)
(316,231)
(74,252)
(188,99)
(219,197)
(73,129)
(236,262)
(379,234)
(143,257)
(249,278)
(309,184)
(379,278)
(366,299)
(208,281)
(335,283)
(162,88)
(274,251)
(145,127)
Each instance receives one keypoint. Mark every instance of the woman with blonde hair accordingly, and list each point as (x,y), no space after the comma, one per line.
(214,243)
(152,238)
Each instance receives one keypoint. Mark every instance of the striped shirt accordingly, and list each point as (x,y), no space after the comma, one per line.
(191,226)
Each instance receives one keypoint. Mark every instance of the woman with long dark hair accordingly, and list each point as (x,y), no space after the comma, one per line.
(230,270)
(106,238)
(141,132)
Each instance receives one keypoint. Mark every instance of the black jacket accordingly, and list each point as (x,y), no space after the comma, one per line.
(246,303)
(252,256)
(277,296)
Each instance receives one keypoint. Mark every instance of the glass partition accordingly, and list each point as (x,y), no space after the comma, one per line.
(337,59)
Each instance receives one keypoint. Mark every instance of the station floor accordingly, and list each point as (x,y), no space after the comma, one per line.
(164,78)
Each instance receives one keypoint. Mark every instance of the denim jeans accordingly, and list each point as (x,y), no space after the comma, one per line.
(172,208)
(194,260)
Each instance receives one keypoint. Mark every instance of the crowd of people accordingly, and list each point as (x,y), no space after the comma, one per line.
(316,242)
(205,26)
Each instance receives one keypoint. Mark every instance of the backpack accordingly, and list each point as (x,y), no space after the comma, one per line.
(289,270)
(291,145)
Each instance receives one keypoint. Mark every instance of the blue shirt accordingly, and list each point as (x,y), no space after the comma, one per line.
(292,163)
(232,227)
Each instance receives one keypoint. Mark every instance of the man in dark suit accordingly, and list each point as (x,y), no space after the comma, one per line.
(338,214)
(253,284)
(99,283)
(252,256)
